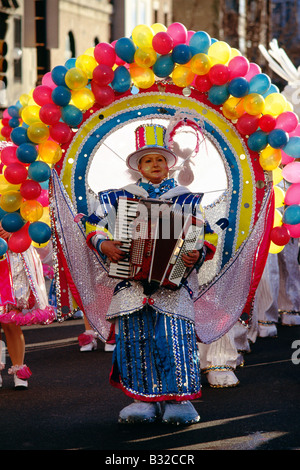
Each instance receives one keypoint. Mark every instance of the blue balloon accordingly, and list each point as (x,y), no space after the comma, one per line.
(71,115)
(238,87)
(291,215)
(39,232)
(164,66)
(39,171)
(19,136)
(181,54)
(61,95)
(70,63)
(14,122)
(218,94)
(45,184)
(12,222)
(125,49)
(2,213)
(273,89)
(58,75)
(200,42)
(122,79)
(278,138)
(260,83)
(13,111)
(258,141)
(26,153)
(292,148)
(3,247)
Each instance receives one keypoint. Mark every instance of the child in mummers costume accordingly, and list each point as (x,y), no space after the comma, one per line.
(156,359)
(23,301)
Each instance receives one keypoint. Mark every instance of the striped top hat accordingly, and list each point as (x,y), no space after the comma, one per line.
(150,138)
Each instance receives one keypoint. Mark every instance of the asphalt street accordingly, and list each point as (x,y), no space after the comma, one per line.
(70,405)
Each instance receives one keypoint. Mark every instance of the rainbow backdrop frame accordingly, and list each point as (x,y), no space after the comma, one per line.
(79,104)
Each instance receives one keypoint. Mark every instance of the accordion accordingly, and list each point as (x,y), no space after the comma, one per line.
(154,235)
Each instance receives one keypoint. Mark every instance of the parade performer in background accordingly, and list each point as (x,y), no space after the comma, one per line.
(23,302)
(155,360)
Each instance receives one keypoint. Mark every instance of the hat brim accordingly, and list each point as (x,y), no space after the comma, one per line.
(133,159)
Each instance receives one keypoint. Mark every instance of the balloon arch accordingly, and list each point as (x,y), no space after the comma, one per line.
(155,74)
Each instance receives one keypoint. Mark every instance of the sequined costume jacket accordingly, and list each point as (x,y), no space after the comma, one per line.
(129,295)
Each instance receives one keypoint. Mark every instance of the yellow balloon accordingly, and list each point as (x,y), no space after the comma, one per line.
(277,175)
(270,158)
(289,107)
(182,76)
(254,104)
(277,218)
(5,186)
(233,108)
(142,36)
(90,51)
(234,53)
(31,210)
(30,114)
(141,77)
(200,64)
(46,216)
(11,201)
(83,99)
(219,52)
(24,98)
(50,152)
(87,63)
(76,78)
(38,132)
(158,28)
(275,248)
(279,197)
(275,104)
(145,57)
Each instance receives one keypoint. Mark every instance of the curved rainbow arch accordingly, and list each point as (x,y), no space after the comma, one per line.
(246,166)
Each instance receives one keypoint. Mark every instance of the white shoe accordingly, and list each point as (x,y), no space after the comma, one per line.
(181,412)
(222,378)
(266,331)
(108,347)
(87,341)
(290,319)
(89,347)
(140,412)
(20,384)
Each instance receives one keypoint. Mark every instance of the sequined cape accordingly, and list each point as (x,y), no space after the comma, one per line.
(217,304)
(31,301)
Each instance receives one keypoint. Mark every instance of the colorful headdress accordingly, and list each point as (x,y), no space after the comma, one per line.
(150,138)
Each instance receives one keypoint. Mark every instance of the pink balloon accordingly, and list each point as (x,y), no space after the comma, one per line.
(295,132)
(42,94)
(291,172)
(190,34)
(44,198)
(178,32)
(162,43)
(118,60)
(254,69)
(285,158)
(287,121)
(292,195)
(47,81)
(8,155)
(105,54)
(294,230)
(238,67)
